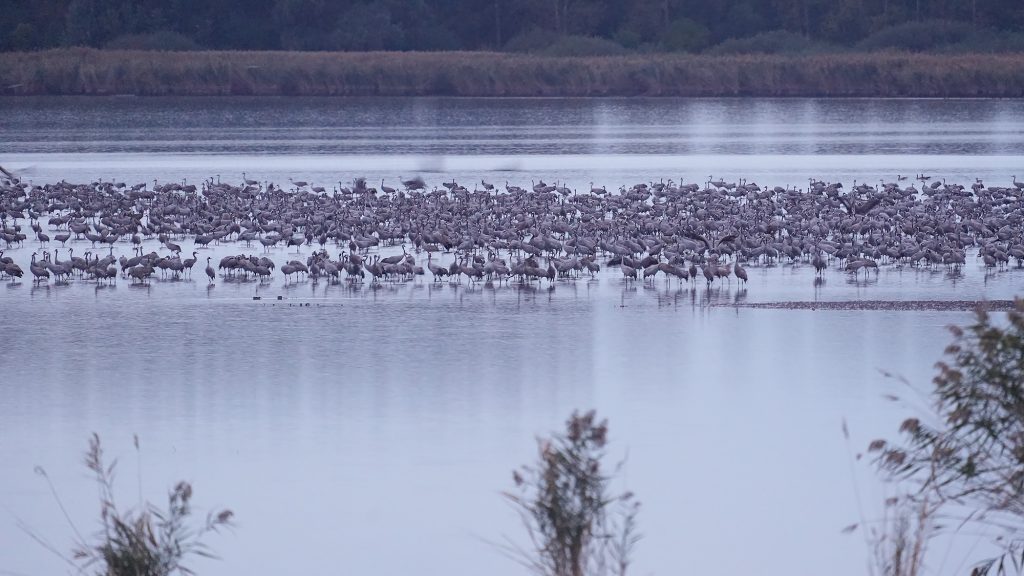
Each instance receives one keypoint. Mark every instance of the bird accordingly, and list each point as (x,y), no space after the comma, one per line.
(415,183)
(439,272)
(188,263)
(819,264)
(709,273)
(741,272)
(209,271)
(852,208)
(708,245)
(628,272)
(547,231)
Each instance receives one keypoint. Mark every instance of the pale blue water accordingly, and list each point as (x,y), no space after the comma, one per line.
(373,431)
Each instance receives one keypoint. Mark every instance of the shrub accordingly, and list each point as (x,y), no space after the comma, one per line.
(583,46)
(533,40)
(772,42)
(988,41)
(23,37)
(900,541)
(575,526)
(629,38)
(685,35)
(917,36)
(537,41)
(160,40)
(972,456)
(148,541)
(365,27)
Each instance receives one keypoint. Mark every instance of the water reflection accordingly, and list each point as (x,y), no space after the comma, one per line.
(610,141)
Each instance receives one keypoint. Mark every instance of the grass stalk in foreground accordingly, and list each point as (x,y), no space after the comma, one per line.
(145,541)
(575,526)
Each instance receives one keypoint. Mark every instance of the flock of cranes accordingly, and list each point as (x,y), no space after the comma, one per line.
(709,232)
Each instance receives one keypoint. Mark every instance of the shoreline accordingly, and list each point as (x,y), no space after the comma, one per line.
(878,305)
(79,71)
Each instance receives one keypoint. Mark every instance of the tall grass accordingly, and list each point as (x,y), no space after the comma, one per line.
(575,525)
(899,539)
(145,541)
(884,74)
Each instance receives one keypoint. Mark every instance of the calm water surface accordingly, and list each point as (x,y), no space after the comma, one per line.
(372,431)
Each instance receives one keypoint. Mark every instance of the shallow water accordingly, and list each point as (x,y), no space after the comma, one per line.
(373,430)
(606,141)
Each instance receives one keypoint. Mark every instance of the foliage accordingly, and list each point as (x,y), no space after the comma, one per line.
(147,541)
(160,40)
(23,37)
(478,74)
(972,457)
(943,36)
(575,526)
(685,35)
(772,42)
(917,36)
(488,24)
(583,46)
(93,22)
(366,27)
(532,40)
(991,42)
(900,540)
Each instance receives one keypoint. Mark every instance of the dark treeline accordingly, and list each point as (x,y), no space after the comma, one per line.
(561,27)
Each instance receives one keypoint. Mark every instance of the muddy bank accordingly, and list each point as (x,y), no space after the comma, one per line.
(906,305)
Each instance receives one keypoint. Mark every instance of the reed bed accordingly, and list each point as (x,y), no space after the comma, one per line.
(146,73)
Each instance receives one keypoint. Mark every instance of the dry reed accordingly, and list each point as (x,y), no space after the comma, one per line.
(575,526)
(145,541)
(108,72)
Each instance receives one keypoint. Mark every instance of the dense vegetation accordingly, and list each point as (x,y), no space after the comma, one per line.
(221,73)
(962,463)
(562,27)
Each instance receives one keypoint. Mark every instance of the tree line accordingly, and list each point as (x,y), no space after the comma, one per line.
(597,26)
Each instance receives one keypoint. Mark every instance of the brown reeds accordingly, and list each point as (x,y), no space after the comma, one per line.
(575,526)
(966,454)
(109,72)
(900,541)
(144,541)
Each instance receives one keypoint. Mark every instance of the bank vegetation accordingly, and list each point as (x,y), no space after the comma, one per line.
(86,71)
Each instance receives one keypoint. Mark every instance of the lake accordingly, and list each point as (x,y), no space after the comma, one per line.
(373,430)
